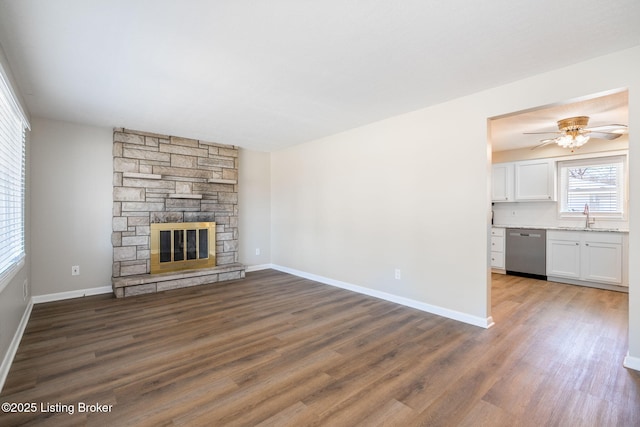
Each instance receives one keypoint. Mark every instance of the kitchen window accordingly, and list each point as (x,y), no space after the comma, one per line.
(597,182)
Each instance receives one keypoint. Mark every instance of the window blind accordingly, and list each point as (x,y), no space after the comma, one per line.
(12,183)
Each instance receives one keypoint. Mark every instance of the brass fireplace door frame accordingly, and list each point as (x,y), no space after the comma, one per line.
(185,264)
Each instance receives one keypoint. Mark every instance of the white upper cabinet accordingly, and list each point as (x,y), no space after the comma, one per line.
(535,180)
(524,181)
(502,182)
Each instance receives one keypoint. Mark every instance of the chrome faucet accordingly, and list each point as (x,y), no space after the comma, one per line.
(586,212)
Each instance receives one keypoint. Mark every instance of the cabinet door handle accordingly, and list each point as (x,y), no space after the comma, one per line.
(586,244)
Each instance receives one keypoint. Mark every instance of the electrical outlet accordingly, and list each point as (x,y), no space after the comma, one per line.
(75,270)
(257,251)
(398,274)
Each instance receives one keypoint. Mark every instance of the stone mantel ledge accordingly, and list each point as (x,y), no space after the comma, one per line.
(222,181)
(141,175)
(184,196)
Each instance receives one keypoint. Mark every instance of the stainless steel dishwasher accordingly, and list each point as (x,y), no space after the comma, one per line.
(526,252)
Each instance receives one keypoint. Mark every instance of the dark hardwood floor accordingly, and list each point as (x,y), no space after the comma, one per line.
(278,350)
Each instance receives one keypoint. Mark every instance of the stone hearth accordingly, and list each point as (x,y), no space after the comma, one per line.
(160,179)
(152,283)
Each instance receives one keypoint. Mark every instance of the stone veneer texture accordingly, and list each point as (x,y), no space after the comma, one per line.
(160,178)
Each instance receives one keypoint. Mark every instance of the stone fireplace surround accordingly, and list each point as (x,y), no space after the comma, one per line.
(161,178)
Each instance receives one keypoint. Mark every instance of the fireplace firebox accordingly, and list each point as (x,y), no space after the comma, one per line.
(182,246)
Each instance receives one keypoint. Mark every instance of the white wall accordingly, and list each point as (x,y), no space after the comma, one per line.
(397,194)
(254,205)
(411,192)
(71,199)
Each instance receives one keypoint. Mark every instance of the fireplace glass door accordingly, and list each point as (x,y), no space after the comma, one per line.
(180,246)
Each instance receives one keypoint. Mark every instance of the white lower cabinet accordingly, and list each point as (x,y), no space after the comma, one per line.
(590,256)
(563,257)
(601,261)
(497,248)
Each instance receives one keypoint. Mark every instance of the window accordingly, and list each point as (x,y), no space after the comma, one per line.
(597,182)
(12,179)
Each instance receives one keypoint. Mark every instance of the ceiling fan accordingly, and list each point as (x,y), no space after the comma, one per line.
(574,133)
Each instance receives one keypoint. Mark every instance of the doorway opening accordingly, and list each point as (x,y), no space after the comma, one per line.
(525,187)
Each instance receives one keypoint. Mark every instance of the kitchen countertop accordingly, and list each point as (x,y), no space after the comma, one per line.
(559,228)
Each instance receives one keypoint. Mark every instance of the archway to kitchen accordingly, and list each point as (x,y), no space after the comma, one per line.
(529,192)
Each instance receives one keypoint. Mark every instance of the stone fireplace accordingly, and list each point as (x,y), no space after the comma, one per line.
(179,186)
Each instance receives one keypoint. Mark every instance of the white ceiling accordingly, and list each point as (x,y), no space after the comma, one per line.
(268,74)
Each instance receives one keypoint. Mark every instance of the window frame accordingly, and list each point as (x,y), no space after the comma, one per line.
(15,114)
(598,159)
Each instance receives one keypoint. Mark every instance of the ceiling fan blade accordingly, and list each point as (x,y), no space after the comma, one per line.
(577,126)
(614,128)
(543,143)
(604,135)
(540,133)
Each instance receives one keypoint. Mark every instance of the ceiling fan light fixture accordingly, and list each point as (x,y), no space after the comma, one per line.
(573,134)
(573,123)
(572,141)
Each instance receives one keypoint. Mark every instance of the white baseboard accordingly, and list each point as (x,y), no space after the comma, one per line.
(59,296)
(433,309)
(632,362)
(584,283)
(13,347)
(258,267)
